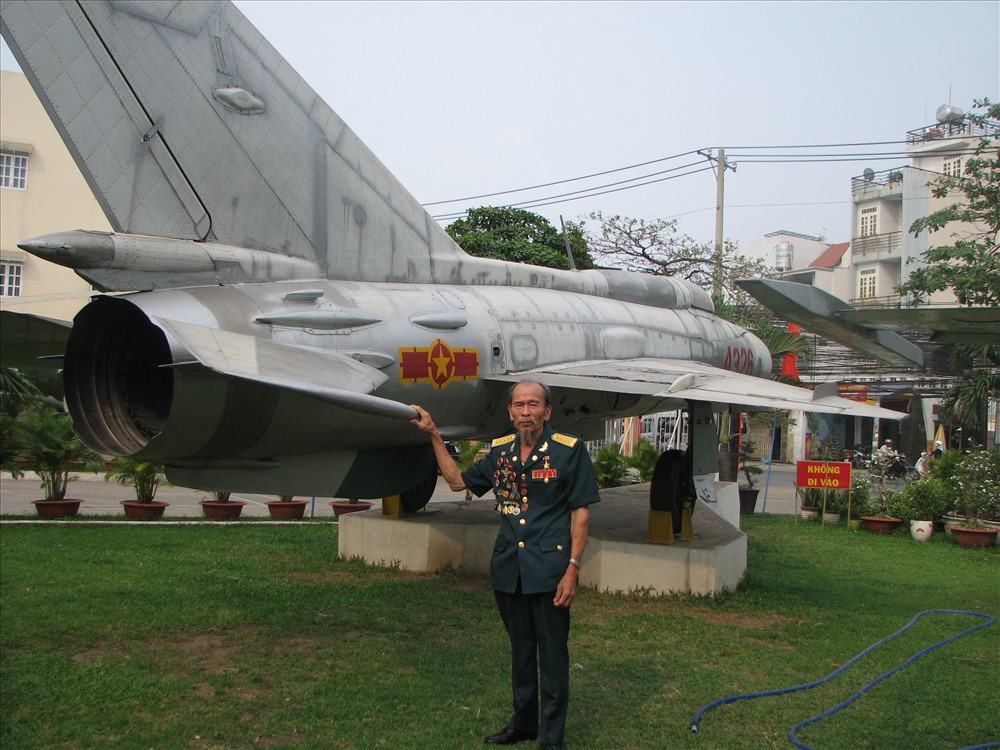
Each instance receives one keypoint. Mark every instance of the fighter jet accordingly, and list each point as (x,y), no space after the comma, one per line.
(273,299)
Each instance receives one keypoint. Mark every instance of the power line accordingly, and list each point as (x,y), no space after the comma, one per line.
(562,182)
(613,187)
(759,158)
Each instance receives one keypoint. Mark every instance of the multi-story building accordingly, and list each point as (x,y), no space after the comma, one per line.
(886,203)
(41,191)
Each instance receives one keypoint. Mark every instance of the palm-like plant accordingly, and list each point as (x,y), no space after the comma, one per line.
(145,477)
(964,402)
(47,441)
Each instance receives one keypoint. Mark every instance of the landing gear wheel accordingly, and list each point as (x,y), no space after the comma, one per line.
(416,498)
(672,486)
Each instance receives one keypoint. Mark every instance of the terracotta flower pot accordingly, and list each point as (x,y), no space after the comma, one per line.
(340,507)
(143,511)
(969,538)
(881,525)
(222,511)
(64,508)
(286,510)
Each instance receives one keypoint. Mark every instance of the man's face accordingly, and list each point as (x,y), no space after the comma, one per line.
(528,411)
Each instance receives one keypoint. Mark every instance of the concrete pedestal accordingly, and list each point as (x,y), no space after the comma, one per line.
(618,557)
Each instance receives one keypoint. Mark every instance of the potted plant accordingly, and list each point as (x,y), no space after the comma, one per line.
(48,446)
(836,503)
(810,502)
(748,493)
(977,498)
(351,505)
(220,507)
(144,477)
(921,503)
(858,501)
(287,508)
(880,514)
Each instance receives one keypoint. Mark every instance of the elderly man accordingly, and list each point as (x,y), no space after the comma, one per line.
(543,482)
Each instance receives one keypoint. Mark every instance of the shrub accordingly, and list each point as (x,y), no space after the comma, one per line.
(924,500)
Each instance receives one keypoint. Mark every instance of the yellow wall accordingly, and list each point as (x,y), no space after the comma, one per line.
(57,198)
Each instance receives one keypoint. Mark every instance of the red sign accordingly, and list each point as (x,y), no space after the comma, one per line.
(438,364)
(831,475)
(853,391)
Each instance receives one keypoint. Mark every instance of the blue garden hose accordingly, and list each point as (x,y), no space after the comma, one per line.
(923,652)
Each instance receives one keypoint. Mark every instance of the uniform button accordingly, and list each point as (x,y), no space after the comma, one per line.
(522,476)
(534,458)
(559,547)
(520,544)
(522,522)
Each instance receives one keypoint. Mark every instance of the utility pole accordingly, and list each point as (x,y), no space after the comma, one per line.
(720,205)
(729,425)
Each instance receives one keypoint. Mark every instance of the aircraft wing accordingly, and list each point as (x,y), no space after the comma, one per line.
(26,339)
(821,312)
(329,376)
(694,381)
(952,325)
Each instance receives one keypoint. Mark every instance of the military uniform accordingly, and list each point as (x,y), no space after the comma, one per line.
(530,557)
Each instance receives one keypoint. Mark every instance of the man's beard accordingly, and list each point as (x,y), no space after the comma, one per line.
(525,432)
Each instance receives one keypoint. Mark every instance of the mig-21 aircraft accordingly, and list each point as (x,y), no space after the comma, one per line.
(272,299)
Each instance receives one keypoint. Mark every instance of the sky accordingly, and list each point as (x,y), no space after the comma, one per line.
(462,99)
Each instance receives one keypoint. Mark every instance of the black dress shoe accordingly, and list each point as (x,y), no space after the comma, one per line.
(508,736)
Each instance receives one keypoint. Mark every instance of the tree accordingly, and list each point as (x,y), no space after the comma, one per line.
(966,402)
(519,236)
(970,266)
(655,247)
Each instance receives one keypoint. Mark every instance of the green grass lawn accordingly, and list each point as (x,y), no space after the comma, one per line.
(219,637)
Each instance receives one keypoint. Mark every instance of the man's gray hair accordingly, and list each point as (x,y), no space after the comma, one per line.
(546,393)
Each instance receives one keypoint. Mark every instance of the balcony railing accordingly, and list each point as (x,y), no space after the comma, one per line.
(887,302)
(880,244)
(888,178)
(941,130)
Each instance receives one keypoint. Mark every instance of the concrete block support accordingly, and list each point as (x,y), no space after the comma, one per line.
(618,558)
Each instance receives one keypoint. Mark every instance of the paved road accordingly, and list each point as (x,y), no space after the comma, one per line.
(104,498)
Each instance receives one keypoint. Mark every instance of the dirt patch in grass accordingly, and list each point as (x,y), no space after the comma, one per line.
(742,620)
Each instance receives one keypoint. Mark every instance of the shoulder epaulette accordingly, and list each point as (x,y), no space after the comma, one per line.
(502,441)
(565,439)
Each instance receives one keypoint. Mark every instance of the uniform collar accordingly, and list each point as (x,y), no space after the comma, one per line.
(542,446)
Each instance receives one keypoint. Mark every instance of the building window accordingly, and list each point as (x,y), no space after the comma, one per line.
(13,171)
(953,167)
(10,279)
(869,221)
(866,288)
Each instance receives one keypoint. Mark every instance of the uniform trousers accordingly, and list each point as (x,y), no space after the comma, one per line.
(539,635)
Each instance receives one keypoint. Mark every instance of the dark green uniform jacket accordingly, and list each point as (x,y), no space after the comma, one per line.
(534,501)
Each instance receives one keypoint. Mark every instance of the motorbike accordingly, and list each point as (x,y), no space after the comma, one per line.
(892,466)
(859,456)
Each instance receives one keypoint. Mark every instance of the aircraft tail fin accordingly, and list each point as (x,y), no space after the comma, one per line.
(187,124)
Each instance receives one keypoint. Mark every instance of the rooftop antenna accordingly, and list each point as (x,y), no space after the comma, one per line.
(868,174)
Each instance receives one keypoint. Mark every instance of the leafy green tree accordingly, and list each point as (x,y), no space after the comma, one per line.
(655,247)
(643,459)
(970,265)
(520,236)
(610,466)
(965,403)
